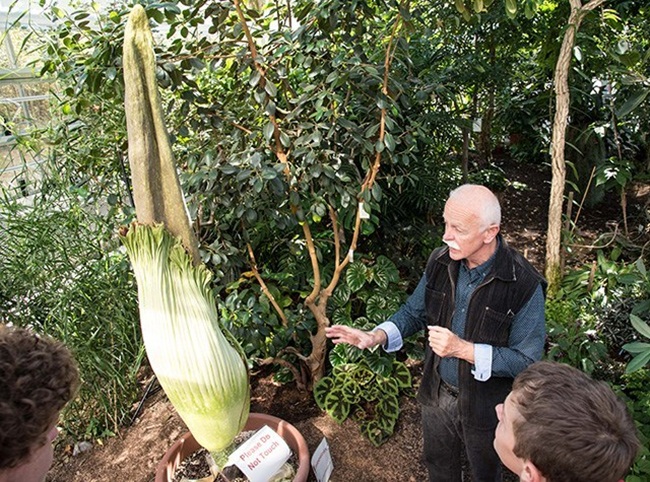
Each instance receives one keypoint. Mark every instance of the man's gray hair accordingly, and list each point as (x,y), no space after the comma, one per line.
(489,209)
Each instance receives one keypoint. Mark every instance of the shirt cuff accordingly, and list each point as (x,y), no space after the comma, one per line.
(393,336)
(482,370)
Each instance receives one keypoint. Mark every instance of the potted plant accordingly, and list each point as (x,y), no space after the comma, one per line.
(187,445)
(200,365)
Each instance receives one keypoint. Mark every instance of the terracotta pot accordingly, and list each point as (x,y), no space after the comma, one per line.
(186,446)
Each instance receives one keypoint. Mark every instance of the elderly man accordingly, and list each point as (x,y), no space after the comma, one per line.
(37,378)
(559,425)
(481,305)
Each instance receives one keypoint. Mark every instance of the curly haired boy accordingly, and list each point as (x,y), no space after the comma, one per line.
(38,376)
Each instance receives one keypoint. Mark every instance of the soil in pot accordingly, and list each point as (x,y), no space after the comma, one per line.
(197,466)
(186,446)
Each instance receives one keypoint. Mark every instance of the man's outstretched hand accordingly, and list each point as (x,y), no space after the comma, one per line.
(353,336)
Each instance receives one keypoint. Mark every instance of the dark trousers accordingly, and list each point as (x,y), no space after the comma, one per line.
(444,437)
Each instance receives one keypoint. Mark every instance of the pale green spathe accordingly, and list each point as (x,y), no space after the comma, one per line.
(204,376)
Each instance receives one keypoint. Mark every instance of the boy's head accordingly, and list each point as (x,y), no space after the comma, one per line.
(559,425)
(38,376)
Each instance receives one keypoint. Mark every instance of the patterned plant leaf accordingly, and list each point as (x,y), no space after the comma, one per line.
(401,374)
(356,276)
(384,272)
(374,432)
(380,364)
(336,405)
(388,386)
(388,407)
(321,389)
(363,375)
(341,295)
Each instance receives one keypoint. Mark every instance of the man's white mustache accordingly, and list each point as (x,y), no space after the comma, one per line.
(451,244)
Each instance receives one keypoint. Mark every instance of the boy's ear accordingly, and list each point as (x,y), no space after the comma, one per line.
(530,473)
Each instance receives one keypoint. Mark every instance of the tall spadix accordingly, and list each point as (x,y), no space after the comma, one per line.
(199,365)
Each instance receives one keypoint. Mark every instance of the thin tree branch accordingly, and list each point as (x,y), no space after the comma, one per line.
(265,288)
(314,263)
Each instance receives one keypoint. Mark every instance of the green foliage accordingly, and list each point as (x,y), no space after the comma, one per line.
(638,400)
(364,386)
(640,350)
(324,68)
(492,177)
(248,314)
(572,338)
(370,294)
(59,278)
(599,308)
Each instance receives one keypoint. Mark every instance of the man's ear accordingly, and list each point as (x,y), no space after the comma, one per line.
(491,233)
(530,473)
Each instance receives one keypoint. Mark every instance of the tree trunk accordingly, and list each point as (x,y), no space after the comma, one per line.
(562,102)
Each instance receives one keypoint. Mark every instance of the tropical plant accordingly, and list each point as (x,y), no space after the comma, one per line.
(200,367)
(364,386)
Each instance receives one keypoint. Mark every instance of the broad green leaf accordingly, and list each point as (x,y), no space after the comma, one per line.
(341,316)
(269,128)
(371,131)
(341,295)
(351,391)
(269,173)
(636,347)
(374,432)
(356,276)
(638,362)
(389,406)
(271,89)
(382,365)
(389,140)
(388,386)
(384,272)
(632,103)
(640,326)
(376,308)
(254,78)
(344,354)
(363,375)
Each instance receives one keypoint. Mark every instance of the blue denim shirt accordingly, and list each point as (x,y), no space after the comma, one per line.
(527,331)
